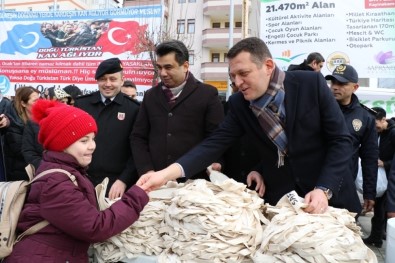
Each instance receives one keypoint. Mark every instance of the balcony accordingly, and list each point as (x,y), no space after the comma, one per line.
(220,8)
(219,37)
(214,71)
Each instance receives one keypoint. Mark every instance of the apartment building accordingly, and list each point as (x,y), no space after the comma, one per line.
(203,25)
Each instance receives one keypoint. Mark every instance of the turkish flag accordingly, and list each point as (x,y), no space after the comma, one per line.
(122,37)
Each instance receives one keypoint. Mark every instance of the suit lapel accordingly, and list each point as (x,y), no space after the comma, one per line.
(161,97)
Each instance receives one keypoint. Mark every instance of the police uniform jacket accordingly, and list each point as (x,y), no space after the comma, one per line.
(113,155)
(361,123)
(319,144)
(163,133)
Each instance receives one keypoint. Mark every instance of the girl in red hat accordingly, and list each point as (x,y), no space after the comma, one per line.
(67,135)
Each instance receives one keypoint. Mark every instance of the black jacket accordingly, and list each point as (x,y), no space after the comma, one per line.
(113,155)
(32,150)
(319,144)
(361,124)
(4,105)
(14,162)
(302,66)
(387,145)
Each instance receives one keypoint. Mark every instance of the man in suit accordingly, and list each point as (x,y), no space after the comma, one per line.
(295,122)
(175,115)
(115,114)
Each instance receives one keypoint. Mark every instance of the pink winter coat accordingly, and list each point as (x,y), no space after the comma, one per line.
(75,221)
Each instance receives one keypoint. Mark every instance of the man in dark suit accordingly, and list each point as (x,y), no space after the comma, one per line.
(295,122)
(115,114)
(175,115)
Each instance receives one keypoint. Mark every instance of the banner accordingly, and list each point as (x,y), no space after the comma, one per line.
(358,32)
(47,49)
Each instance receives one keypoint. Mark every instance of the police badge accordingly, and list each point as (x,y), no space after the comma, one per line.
(356,124)
(121,116)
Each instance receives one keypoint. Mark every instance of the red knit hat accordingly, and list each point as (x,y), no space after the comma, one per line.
(61,125)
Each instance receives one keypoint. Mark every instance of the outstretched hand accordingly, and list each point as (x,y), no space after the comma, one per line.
(153,180)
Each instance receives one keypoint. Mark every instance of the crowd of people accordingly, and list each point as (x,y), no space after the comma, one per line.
(74,33)
(279,131)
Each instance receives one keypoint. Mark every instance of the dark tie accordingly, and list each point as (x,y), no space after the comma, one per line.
(169,95)
(107,101)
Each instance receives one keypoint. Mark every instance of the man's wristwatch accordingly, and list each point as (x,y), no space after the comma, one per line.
(327,191)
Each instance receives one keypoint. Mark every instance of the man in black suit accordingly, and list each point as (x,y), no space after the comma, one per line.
(175,115)
(295,122)
(115,114)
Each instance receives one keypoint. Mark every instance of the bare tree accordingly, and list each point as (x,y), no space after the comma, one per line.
(150,38)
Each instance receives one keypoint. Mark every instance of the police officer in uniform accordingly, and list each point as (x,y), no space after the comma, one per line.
(115,114)
(361,123)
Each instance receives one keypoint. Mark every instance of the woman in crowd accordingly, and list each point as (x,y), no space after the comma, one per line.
(19,113)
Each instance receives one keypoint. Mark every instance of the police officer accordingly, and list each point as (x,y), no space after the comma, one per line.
(115,114)
(361,123)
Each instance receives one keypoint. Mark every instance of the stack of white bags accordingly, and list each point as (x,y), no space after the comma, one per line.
(223,221)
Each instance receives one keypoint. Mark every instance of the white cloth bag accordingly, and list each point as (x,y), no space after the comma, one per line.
(382,181)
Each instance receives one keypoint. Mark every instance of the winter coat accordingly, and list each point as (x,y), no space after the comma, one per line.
(387,145)
(163,133)
(14,162)
(74,219)
(361,123)
(32,150)
(302,66)
(113,155)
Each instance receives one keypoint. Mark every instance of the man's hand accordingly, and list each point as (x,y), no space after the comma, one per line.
(391,214)
(153,180)
(256,177)
(367,205)
(216,167)
(4,121)
(317,202)
(117,189)
(380,163)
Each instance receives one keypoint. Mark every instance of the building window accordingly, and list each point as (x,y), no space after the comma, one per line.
(216,25)
(181,1)
(51,7)
(225,57)
(192,1)
(191,57)
(238,24)
(191,26)
(215,57)
(181,26)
